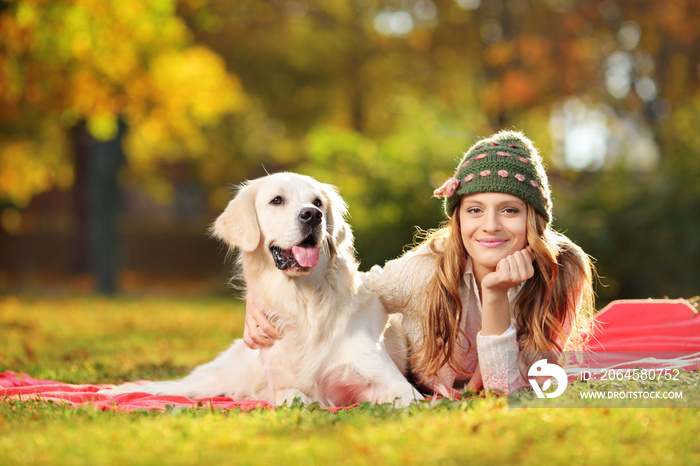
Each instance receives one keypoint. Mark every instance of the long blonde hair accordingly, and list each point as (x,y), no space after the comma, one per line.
(559,295)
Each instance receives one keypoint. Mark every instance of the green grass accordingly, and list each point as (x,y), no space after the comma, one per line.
(97,340)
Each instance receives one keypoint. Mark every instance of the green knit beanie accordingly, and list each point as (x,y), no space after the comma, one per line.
(506,162)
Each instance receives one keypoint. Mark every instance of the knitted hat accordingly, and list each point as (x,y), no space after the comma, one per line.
(506,162)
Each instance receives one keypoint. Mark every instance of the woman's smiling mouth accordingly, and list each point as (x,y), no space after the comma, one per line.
(492,242)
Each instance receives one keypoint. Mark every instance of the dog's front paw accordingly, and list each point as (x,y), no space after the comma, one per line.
(290,396)
(407,395)
(406,401)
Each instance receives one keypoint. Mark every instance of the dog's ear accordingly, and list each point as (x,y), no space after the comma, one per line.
(336,210)
(238,224)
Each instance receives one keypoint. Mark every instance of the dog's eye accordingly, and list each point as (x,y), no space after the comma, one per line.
(276,201)
(317,203)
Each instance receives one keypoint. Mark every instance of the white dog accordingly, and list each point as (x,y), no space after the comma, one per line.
(298,260)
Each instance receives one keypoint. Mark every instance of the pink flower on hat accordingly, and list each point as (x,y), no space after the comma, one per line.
(448,188)
(519,177)
(503,173)
(485,173)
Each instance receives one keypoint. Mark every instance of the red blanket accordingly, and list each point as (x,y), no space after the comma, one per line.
(644,326)
(24,387)
(647,325)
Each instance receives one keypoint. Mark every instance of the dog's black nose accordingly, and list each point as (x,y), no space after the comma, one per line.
(310,216)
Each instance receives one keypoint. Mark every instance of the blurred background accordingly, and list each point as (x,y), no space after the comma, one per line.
(124,125)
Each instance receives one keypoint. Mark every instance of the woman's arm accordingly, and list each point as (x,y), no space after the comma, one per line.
(497,340)
(401,282)
(498,354)
(510,271)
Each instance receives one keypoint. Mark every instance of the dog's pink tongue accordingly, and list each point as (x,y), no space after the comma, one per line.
(306,256)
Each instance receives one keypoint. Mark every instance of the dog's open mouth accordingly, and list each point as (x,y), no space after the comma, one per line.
(304,255)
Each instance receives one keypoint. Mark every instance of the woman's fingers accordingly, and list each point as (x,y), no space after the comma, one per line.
(515,268)
(251,337)
(523,264)
(258,331)
(265,328)
(248,340)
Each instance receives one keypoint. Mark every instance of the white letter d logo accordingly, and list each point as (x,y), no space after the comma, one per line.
(544,369)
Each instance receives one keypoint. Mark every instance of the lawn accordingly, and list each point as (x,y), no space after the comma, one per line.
(84,339)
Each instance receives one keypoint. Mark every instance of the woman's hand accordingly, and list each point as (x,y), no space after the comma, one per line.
(258,331)
(510,271)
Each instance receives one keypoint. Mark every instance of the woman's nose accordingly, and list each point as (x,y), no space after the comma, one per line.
(491,222)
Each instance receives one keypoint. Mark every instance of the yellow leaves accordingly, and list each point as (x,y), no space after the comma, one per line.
(195,82)
(31,167)
(65,61)
(26,14)
(182,92)
(103,127)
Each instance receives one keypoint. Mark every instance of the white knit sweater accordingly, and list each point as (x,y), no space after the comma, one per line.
(401,285)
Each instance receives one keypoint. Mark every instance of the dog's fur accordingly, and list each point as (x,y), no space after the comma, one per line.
(298,261)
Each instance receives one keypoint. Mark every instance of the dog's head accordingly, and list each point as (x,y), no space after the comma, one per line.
(291,218)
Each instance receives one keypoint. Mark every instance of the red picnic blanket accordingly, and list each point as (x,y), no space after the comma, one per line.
(647,327)
(23,387)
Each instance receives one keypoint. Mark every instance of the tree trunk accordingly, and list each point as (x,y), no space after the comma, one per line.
(97,206)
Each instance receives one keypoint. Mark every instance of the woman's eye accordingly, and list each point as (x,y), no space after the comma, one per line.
(511,210)
(474,210)
(276,201)
(317,203)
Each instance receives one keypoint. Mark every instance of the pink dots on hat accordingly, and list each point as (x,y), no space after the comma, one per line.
(514,145)
(485,173)
(464,164)
(469,177)
(534,183)
(523,160)
(481,156)
(494,144)
(519,177)
(503,173)
(503,154)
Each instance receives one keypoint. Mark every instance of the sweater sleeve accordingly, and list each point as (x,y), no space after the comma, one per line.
(400,282)
(495,358)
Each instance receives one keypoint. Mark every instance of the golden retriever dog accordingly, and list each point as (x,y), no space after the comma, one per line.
(297,258)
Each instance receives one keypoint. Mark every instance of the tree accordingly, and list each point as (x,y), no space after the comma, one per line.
(87,71)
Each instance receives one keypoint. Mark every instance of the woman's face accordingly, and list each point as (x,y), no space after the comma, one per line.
(493,226)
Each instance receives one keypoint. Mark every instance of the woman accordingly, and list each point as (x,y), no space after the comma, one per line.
(495,280)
